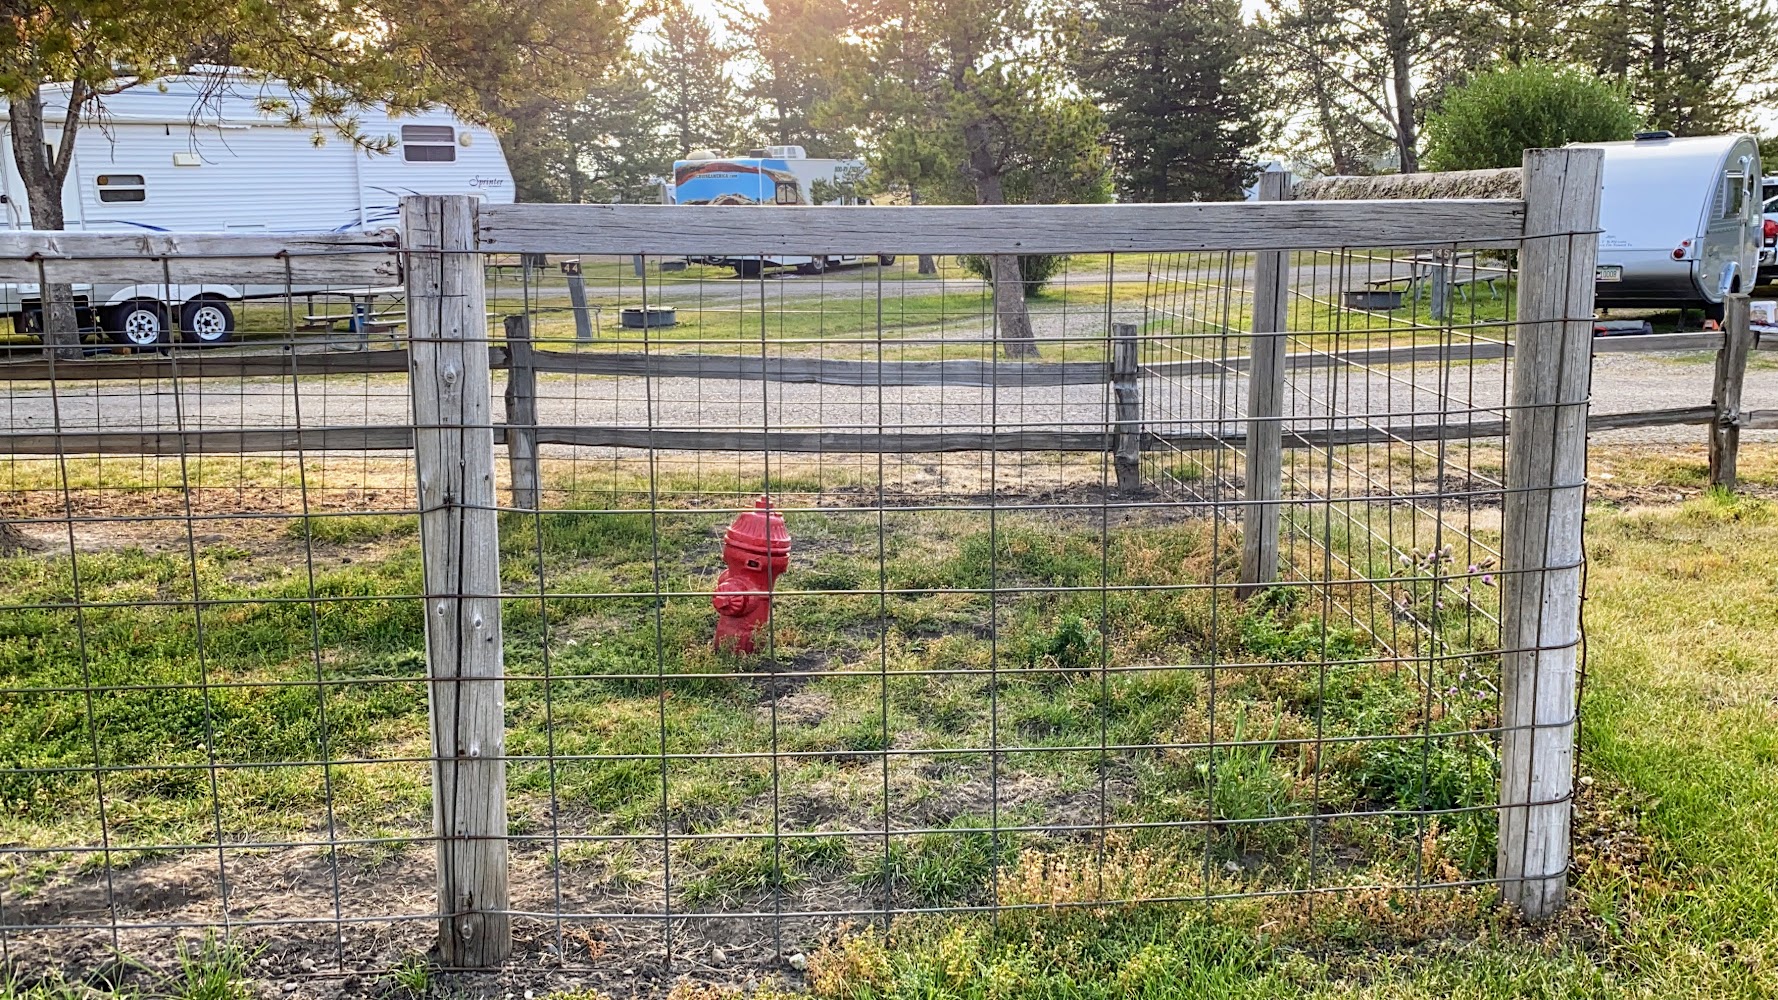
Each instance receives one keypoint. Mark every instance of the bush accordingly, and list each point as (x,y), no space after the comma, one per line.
(1035,270)
(1491,120)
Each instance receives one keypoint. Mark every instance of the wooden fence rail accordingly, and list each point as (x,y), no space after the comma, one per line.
(232,258)
(823,371)
(272,440)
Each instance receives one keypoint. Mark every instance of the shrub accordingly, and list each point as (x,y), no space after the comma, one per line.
(1491,120)
(1035,270)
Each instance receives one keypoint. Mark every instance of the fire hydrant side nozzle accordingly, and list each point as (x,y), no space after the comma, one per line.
(755,552)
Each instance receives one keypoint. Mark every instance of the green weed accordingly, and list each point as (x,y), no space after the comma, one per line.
(938,868)
(211,970)
(413,975)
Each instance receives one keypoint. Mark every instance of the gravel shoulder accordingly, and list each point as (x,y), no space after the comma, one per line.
(1622,383)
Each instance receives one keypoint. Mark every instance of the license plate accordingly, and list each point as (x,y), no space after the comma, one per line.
(1609,272)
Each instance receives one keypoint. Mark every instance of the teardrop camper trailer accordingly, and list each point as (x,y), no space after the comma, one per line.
(1680,221)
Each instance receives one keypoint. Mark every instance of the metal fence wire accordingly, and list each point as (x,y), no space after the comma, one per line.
(1254,573)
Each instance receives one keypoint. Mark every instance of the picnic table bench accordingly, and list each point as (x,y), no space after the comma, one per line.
(1463,272)
(362,318)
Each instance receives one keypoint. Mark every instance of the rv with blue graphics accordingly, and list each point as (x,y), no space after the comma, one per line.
(775,176)
(220,153)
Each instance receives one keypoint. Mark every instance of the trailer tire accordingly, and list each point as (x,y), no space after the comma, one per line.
(138,323)
(885,260)
(207,322)
(816,265)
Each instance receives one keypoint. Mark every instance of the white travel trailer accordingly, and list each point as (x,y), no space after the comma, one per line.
(203,154)
(1680,221)
(776,175)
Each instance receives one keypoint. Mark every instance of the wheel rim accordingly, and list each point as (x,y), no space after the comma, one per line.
(207,323)
(141,326)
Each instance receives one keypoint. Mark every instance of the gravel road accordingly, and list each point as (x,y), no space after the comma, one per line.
(1622,383)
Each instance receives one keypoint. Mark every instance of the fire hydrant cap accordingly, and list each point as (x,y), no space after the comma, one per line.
(760,530)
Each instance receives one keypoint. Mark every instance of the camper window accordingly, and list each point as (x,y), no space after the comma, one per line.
(787,194)
(122,187)
(1733,198)
(429,143)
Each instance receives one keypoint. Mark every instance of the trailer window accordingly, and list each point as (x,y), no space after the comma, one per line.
(429,143)
(122,187)
(1733,198)
(787,193)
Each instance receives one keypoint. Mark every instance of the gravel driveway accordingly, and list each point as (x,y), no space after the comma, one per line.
(1622,383)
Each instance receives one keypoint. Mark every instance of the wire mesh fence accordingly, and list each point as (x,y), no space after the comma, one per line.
(439,658)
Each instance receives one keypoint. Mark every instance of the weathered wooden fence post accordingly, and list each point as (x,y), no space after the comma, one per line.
(1127,396)
(1725,396)
(1443,280)
(459,542)
(1546,457)
(1265,407)
(583,328)
(521,415)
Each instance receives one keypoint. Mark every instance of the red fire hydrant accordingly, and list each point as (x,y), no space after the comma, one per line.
(756,550)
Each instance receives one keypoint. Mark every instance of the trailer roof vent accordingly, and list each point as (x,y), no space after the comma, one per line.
(1657,134)
(787,152)
(703,154)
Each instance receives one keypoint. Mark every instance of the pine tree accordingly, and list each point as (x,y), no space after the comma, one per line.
(1693,66)
(690,72)
(981,79)
(607,146)
(1179,102)
(1362,71)
(795,47)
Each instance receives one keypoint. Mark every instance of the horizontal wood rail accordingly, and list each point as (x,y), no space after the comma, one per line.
(232,441)
(825,371)
(201,258)
(729,231)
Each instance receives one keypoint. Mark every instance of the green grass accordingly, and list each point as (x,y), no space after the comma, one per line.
(276,667)
(212,971)
(1673,895)
(1673,887)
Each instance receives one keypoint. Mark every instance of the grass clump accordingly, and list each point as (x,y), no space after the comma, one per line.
(211,970)
(350,529)
(944,867)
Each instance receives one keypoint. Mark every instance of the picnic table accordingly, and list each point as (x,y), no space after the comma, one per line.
(1462,272)
(363,315)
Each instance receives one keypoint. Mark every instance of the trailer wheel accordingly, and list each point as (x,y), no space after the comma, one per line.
(885,260)
(138,323)
(207,322)
(816,265)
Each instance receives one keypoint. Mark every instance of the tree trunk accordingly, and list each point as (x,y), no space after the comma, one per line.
(1344,163)
(43,190)
(1015,333)
(928,265)
(1401,66)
